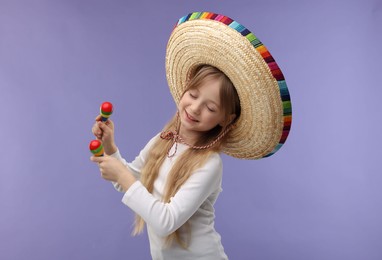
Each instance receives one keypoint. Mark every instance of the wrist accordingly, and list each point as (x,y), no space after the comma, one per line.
(125,180)
(110,149)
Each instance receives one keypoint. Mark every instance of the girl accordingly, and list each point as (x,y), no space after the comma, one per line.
(174,182)
(179,182)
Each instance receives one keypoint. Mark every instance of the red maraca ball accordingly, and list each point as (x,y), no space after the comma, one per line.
(94,145)
(107,108)
(96,148)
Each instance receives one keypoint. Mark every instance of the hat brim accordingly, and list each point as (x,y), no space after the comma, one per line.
(208,38)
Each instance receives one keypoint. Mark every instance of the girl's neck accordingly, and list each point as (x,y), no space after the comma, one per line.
(189,137)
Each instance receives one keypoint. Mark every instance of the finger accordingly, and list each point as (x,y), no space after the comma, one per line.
(98,118)
(109,122)
(97,159)
(96,130)
(103,127)
(97,133)
(100,124)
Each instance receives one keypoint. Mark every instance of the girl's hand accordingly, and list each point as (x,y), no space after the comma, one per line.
(104,131)
(113,170)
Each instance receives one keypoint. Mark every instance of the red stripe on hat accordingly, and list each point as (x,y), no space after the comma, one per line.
(226,20)
(284,136)
(277,74)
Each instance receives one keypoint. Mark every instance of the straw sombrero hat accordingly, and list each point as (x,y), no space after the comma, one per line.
(208,38)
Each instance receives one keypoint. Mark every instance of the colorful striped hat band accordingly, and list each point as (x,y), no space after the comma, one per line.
(266,113)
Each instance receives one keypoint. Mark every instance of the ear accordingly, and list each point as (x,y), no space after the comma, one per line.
(228,121)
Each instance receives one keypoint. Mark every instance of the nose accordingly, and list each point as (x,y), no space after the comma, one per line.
(196,107)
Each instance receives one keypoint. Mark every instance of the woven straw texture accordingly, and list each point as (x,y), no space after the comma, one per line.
(208,38)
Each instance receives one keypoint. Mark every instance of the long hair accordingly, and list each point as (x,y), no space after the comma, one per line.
(191,159)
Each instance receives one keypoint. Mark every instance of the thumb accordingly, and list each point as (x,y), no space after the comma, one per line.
(108,123)
(97,159)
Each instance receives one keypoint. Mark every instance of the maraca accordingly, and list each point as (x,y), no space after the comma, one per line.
(106,110)
(96,148)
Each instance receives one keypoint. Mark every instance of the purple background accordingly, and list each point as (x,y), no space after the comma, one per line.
(318,198)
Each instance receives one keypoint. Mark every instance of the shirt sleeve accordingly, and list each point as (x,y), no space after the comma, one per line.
(135,166)
(165,218)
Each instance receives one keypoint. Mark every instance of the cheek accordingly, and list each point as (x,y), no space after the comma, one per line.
(213,119)
(216,119)
(183,102)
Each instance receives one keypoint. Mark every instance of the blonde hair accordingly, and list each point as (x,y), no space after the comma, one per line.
(191,159)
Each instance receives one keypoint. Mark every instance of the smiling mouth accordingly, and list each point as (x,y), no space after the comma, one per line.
(190,117)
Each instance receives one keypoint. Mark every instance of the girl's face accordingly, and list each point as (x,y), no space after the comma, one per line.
(200,109)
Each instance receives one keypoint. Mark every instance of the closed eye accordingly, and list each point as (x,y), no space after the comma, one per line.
(192,95)
(211,109)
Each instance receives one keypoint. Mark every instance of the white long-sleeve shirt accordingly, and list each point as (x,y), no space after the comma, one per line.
(193,203)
